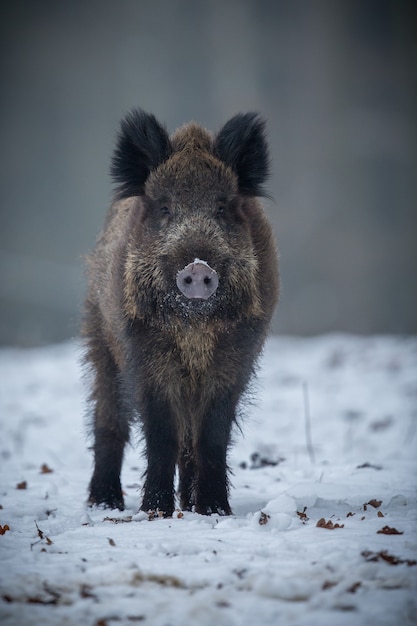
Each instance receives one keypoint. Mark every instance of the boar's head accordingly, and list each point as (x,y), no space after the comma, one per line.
(195,205)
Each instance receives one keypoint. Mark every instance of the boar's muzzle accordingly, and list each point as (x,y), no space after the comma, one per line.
(197,280)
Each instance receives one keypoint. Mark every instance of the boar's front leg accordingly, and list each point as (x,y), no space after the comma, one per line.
(161,452)
(111,432)
(187,475)
(211,491)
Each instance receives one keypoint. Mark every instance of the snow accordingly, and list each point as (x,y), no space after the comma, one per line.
(269,563)
(201,262)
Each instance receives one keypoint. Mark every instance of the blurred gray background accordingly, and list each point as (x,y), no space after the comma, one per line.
(337,82)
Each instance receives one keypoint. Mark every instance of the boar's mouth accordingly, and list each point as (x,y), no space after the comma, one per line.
(227,295)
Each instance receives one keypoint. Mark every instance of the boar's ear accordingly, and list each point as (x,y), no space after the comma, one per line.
(142,145)
(241,144)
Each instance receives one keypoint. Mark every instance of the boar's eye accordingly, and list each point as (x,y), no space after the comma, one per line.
(165,211)
(221,210)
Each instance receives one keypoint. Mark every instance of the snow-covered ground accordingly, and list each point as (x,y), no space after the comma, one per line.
(331,436)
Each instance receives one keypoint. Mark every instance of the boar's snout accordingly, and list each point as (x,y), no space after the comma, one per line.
(197,280)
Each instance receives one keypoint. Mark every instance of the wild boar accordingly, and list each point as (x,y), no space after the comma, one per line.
(183,282)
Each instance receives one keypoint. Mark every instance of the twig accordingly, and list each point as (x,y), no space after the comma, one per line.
(307,424)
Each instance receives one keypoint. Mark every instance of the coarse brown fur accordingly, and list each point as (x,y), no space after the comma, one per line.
(182,365)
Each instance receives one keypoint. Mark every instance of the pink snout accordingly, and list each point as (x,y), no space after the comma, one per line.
(197,280)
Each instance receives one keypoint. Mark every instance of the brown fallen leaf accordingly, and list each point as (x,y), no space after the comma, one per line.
(41,536)
(388,558)
(22,485)
(86,591)
(165,580)
(45,469)
(302,515)
(4,529)
(387,530)
(328,584)
(263,518)
(380,514)
(329,524)
(111,541)
(354,587)
(39,600)
(375,503)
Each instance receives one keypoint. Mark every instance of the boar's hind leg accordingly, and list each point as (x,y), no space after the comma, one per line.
(111,432)
(161,452)
(211,491)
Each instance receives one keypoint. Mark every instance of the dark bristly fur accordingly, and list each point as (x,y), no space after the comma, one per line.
(182,365)
(241,144)
(143,144)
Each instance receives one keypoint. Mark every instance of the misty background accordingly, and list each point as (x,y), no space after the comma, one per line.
(336,81)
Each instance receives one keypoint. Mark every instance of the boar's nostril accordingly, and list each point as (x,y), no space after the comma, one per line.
(197,280)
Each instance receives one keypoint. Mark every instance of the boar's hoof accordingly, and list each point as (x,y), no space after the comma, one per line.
(197,280)
(215,508)
(108,498)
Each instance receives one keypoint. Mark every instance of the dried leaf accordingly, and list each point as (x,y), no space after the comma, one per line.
(263,518)
(4,529)
(45,469)
(111,541)
(354,587)
(387,530)
(22,485)
(329,524)
(302,515)
(380,514)
(388,558)
(42,536)
(86,591)
(375,503)
(39,600)
(259,461)
(40,532)
(222,604)
(381,424)
(160,579)
(328,584)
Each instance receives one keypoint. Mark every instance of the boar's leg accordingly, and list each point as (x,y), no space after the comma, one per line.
(187,476)
(211,491)
(161,452)
(111,432)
